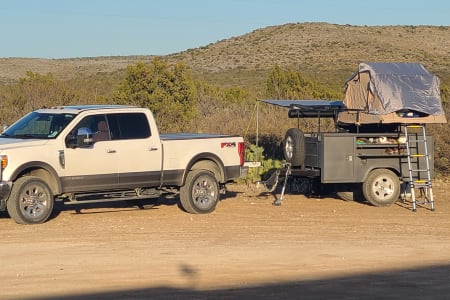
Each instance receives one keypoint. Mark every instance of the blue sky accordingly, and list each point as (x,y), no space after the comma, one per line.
(89,28)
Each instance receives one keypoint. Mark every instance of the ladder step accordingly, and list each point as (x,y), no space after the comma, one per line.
(421,182)
(415,141)
(418,186)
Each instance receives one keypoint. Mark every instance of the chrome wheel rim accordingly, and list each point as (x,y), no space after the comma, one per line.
(289,147)
(204,192)
(34,201)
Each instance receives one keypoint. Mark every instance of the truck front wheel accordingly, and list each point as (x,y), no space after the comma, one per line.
(200,193)
(30,201)
(382,187)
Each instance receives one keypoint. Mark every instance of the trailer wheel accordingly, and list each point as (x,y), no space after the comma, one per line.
(200,193)
(382,187)
(346,196)
(31,201)
(352,192)
(294,147)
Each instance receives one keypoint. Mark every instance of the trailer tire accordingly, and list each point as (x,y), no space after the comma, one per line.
(200,193)
(351,196)
(31,201)
(294,147)
(352,192)
(346,196)
(382,187)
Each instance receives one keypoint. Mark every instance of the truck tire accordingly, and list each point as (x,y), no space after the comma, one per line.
(200,193)
(31,201)
(294,147)
(382,187)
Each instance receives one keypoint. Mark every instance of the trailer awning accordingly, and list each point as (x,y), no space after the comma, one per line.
(307,104)
(310,108)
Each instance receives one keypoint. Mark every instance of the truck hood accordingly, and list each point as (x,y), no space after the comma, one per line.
(8,143)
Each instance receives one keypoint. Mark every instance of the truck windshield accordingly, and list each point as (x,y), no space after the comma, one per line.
(38,125)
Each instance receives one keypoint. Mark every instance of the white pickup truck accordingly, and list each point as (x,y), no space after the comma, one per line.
(86,154)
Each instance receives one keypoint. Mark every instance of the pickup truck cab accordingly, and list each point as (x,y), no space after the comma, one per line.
(85,154)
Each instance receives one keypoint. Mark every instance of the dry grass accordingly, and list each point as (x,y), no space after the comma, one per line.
(327,51)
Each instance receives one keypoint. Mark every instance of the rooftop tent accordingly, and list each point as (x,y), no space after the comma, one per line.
(392,93)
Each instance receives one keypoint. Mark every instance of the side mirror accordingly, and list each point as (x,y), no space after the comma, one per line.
(82,139)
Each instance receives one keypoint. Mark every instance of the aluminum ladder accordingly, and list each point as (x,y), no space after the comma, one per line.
(418,164)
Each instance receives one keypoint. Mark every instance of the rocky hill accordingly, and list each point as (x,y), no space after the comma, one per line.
(320,49)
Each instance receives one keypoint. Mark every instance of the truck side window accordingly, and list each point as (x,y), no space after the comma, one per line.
(127,126)
(97,125)
(102,132)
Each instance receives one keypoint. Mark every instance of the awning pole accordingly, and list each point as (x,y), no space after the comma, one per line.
(257,130)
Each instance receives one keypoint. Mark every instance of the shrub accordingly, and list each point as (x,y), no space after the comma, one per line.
(268,166)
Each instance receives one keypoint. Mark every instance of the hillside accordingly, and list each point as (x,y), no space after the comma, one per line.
(326,51)
(324,46)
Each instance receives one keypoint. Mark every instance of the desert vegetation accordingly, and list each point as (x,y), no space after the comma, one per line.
(216,88)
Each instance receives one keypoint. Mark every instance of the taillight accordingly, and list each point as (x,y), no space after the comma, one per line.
(241,151)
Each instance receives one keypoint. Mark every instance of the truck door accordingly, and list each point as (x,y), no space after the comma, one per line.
(338,158)
(138,151)
(91,167)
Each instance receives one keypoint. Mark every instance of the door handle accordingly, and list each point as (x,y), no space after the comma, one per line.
(110,151)
(152,148)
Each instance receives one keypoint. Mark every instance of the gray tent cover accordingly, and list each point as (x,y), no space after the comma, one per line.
(382,89)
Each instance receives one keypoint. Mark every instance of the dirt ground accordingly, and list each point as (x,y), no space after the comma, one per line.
(307,248)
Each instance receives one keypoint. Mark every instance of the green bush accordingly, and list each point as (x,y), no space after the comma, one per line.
(268,166)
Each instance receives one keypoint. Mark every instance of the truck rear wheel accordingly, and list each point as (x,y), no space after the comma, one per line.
(294,147)
(200,193)
(382,187)
(30,201)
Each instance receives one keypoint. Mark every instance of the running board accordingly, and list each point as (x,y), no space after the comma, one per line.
(109,197)
(71,202)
